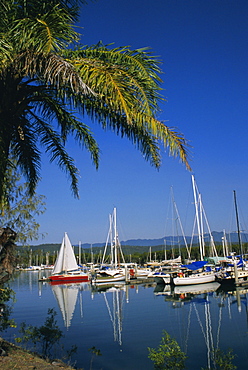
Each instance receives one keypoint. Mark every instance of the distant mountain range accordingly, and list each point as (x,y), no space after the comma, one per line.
(167,241)
(170,240)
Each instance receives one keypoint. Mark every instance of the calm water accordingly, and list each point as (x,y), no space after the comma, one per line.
(123,322)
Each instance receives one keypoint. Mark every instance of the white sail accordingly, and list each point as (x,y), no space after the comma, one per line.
(66,260)
(66,297)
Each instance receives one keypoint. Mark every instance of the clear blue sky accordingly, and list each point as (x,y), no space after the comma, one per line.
(203,46)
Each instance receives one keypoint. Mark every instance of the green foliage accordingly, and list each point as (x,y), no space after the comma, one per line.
(135,254)
(45,337)
(223,361)
(6,294)
(168,355)
(18,208)
(49,82)
(95,352)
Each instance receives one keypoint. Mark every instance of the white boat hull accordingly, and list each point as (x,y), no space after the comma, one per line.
(200,278)
(108,279)
(197,288)
(142,274)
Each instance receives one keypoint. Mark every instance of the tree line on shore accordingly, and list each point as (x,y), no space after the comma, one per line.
(46,254)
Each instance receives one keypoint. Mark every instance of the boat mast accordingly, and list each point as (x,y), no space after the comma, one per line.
(224,244)
(197,218)
(237,219)
(165,252)
(115,239)
(111,240)
(181,226)
(109,237)
(79,253)
(201,223)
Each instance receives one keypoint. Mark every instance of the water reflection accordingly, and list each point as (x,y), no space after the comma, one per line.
(185,292)
(114,298)
(194,298)
(66,296)
(116,319)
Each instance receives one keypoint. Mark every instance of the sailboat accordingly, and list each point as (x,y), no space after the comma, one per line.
(66,269)
(113,272)
(176,226)
(237,271)
(194,273)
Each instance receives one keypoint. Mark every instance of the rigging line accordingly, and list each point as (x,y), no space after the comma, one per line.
(200,323)
(192,235)
(198,218)
(173,219)
(187,331)
(167,214)
(231,221)
(209,322)
(210,233)
(81,304)
(207,336)
(188,205)
(119,244)
(114,314)
(220,317)
(238,224)
(211,332)
(119,322)
(109,237)
(241,218)
(181,227)
(121,230)
(116,323)
(229,307)
(122,300)
(108,308)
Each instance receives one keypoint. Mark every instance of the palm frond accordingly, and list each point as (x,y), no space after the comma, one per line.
(128,95)
(54,147)
(44,82)
(52,109)
(52,70)
(83,136)
(44,33)
(124,78)
(24,149)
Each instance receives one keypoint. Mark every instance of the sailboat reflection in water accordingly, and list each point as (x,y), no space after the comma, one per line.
(196,301)
(67,296)
(114,297)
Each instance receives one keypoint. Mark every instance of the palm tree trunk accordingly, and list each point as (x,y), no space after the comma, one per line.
(7,253)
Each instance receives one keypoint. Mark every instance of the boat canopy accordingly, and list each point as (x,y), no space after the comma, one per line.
(240,263)
(195,265)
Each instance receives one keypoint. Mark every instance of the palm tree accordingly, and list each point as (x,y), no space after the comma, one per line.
(47,79)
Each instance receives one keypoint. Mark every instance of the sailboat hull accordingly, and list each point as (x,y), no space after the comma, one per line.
(69,278)
(200,278)
(197,288)
(108,279)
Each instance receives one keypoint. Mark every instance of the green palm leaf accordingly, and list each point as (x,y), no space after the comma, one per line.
(47,83)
